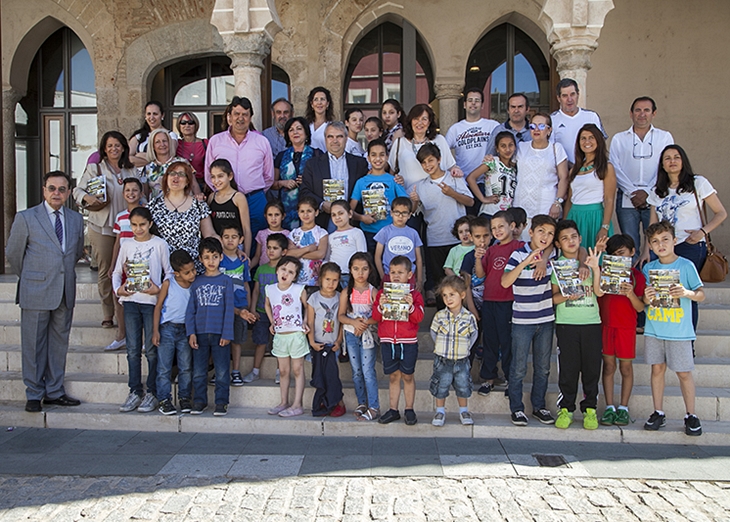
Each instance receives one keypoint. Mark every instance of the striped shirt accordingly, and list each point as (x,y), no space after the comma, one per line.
(533,298)
(454,335)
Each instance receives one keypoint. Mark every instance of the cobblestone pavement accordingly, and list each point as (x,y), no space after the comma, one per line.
(329,499)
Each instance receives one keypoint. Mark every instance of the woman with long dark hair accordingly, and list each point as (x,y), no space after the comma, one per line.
(319,114)
(592,187)
(392,116)
(139,142)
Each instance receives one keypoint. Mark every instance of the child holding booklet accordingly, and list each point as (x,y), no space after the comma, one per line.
(399,342)
(310,242)
(669,332)
(500,176)
(618,317)
(346,241)
(578,327)
(376,191)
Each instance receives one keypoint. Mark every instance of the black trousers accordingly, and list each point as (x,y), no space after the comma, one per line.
(435,259)
(326,380)
(579,355)
(497,332)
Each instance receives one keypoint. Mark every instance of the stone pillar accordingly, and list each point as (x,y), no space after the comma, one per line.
(247,53)
(10,98)
(448,95)
(574,61)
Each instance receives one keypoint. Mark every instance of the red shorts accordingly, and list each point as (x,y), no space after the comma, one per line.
(619,342)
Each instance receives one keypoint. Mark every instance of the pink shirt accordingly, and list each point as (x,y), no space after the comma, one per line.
(253,165)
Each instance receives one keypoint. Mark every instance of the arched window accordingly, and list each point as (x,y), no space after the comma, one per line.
(55,121)
(377,69)
(504,61)
(204,86)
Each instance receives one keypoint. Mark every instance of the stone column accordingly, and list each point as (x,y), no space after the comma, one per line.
(448,95)
(574,61)
(10,98)
(247,53)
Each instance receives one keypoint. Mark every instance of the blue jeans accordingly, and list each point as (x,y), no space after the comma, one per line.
(540,336)
(209,344)
(138,319)
(630,219)
(174,342)
(256,204)
(363,371)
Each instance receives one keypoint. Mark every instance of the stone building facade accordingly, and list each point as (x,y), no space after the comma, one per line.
(615,49)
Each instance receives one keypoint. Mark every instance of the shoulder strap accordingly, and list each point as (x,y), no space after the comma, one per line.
(397,153)
(701,208)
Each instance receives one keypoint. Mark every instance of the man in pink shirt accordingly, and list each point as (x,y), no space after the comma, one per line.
(250,157)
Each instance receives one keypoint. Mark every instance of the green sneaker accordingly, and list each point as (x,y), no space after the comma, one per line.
(590,421)
(565,419)
(622,418)
(609,417)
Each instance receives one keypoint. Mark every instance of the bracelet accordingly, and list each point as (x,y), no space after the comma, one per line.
(704,232)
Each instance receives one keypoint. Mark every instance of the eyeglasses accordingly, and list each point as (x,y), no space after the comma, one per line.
(187,122)
(641,144)
(60,190)
(178,174)
(539,126)
(400,213)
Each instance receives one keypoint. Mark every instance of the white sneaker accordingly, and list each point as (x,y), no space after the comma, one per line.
(466,418)
(131,404)
(277,379)
(116,345)
(149,403)
(438,419)
(251,376)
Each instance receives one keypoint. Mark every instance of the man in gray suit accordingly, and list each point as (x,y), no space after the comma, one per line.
(44,245)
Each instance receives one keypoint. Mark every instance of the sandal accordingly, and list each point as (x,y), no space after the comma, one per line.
(360,410)
(107,323)
(369,415)
(276,410)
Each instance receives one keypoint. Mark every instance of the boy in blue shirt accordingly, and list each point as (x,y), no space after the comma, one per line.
(669,332)
(376,179)
(398,239)
(209,326)
(237,269)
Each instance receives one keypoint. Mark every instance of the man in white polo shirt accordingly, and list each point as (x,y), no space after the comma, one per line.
(634,155)
(568,120)
(469,137)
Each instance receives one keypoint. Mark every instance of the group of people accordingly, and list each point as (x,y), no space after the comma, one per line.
(301,233)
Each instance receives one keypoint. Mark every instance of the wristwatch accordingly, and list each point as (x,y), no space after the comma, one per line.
(605,227)
(559,201)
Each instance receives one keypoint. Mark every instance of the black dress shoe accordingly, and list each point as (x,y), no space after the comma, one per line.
(33,406)
(63,400)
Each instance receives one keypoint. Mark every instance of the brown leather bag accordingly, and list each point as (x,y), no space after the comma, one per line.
(716,267)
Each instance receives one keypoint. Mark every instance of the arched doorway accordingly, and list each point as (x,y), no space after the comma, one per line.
(378,65)
(204,86)
(55,121)
(504,61)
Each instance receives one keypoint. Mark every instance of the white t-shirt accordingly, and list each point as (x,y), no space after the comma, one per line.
(469,141)
(681,209)
(409,166)
(587,189)
(566,128)
(318,141)
(537,177)
(343,244)
(151,256)
(440,210)
(310,267)
(354,147)
(499,182)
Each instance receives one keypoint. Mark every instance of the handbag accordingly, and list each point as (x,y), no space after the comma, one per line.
(716,267)
(98,205)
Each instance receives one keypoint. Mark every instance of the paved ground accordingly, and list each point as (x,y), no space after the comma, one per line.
(63,475)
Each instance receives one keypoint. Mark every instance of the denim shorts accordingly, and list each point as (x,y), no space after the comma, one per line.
(399,357)
(294,345)
(448,372)
(260,333)
(239,329)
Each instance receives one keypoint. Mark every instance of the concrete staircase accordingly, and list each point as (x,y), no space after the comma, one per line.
(99,380)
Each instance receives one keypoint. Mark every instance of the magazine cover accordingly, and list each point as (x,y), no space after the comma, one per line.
(662,280)
(375,203)
(333,189)
(396,308)
(566,272)
(138,275)
(615,270)
(97,187)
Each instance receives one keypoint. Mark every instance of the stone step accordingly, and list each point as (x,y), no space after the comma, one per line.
(255,420)
(709,371)
(711,403)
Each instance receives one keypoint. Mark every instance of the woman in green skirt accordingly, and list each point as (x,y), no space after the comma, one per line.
(592,190)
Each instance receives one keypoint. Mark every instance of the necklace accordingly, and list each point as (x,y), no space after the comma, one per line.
(416,145)
(586,168)
(118,175)
(178,206)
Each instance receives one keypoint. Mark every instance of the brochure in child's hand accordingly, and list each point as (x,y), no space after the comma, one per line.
(97,187)
(396,308)
(375,203)
(333,189)
(138,275)
(569,282)
(662,280)
(615,270)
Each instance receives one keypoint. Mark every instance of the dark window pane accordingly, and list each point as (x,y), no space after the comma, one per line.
(52,70)
(189,82)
